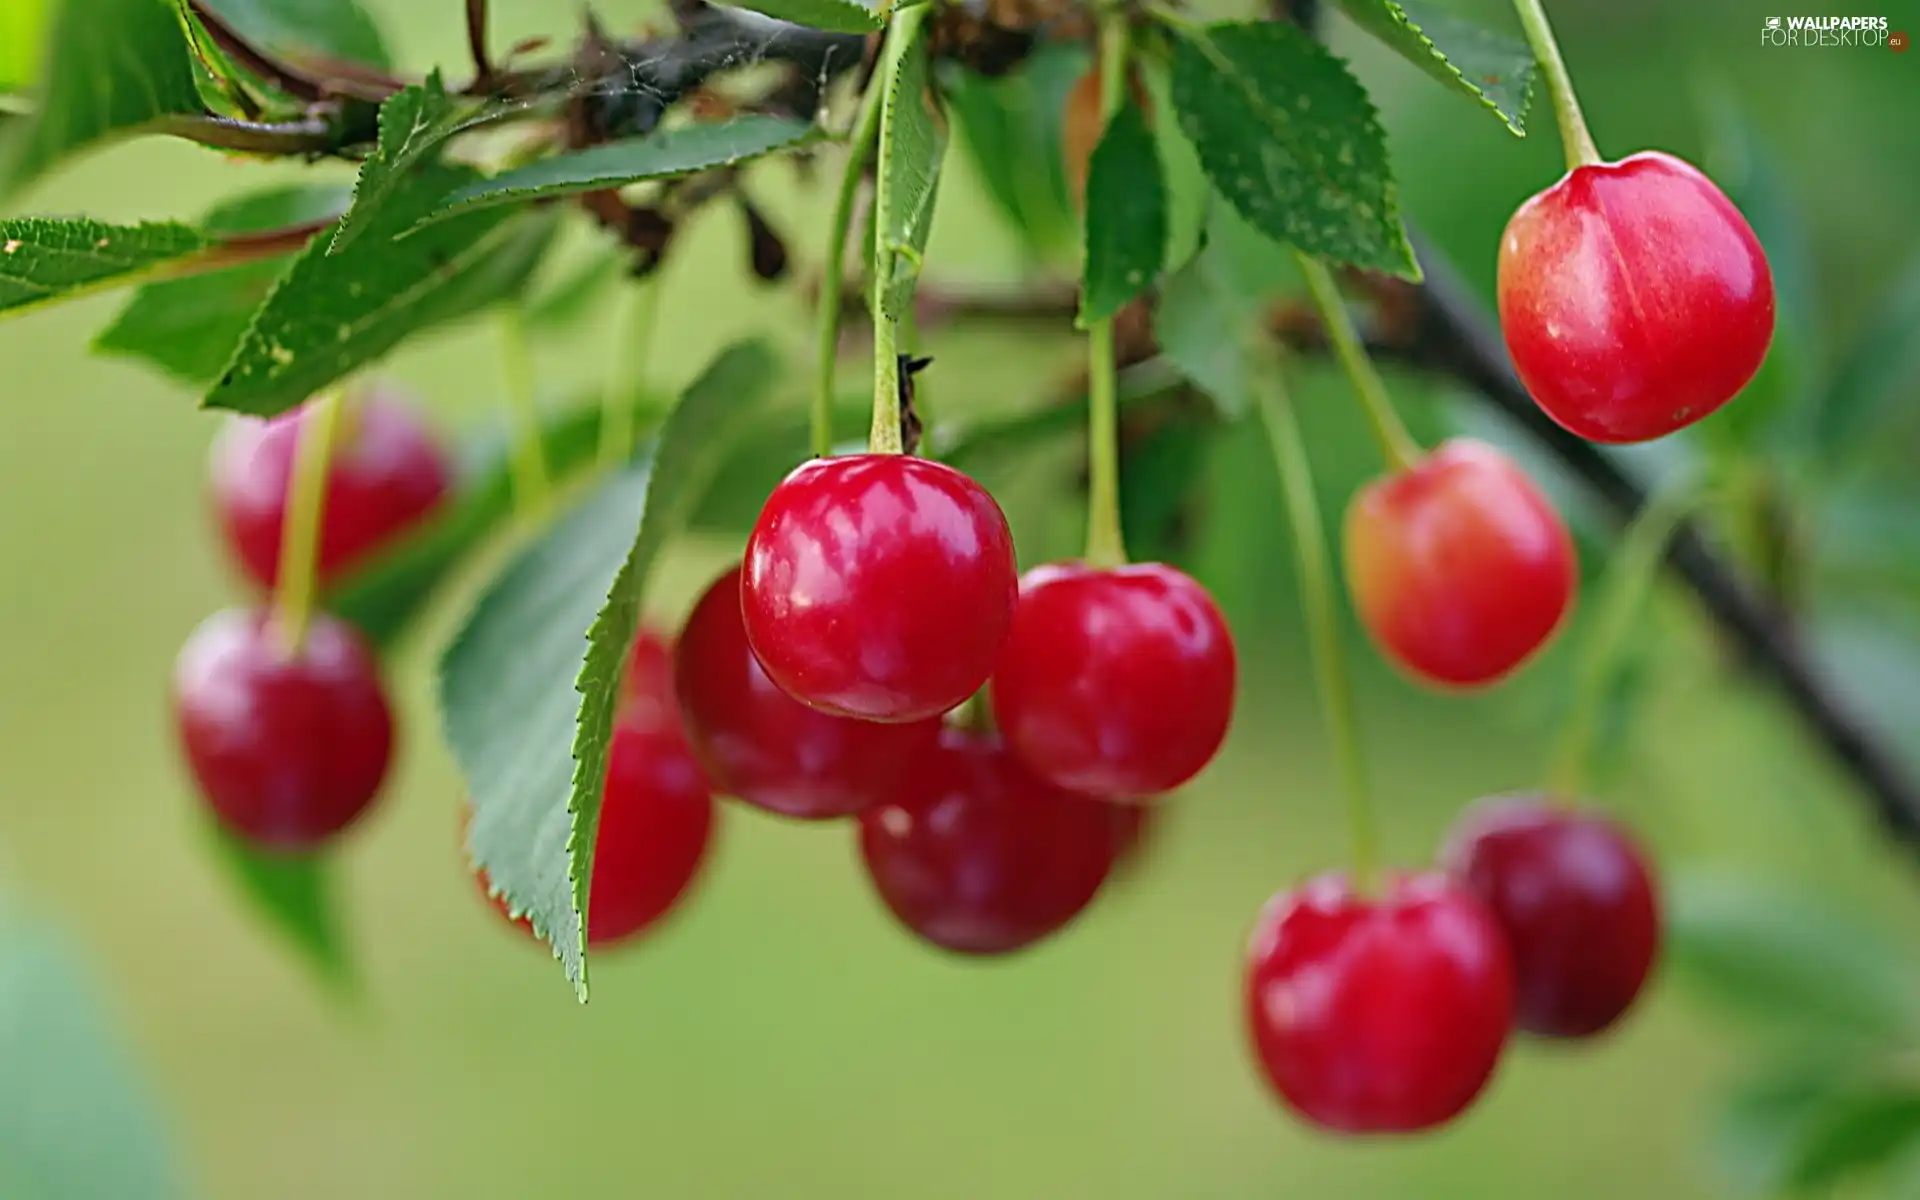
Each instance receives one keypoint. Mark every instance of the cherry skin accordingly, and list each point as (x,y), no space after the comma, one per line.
(1378,1016)
(1115,682)
(878,586)
(977,856)
(1577,901)
(768,749)
(387,474)
(1634,297)
(647,687)
(1459,567)
(287,749)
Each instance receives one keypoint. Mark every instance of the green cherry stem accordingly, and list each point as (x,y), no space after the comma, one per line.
(1396,444)
(866,129)
(300,533)
(627,369)
(1575,137)
(1323,626)
(884,436)
(531,485)
(1106,543)
(1635,566)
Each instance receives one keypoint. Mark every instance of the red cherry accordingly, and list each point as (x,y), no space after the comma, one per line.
(656,822)
(765,747)
(647,687)
(1115,682)
(879,586)
(1379,1016)
(386,475)
(1573,892)
(288,750)
(1459,567)
(1634,297)
(977,856)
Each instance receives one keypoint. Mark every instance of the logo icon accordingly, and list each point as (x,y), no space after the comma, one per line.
(1773,23)
(1898,41)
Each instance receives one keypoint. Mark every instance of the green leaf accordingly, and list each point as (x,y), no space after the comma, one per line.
(1494,69)
(113,67)
(913,143)
(1881,369)
(1158,476)
(75,1119)
(294,894)
(527,686)
(1758,948)
(1211,314)
(1126,216)
(1010,129)
(1289,137)
(1855,1132)
(1189,195)
(44,261)
(308,29)
(414,123)
(21,25)
(835,16)
(190,327)
(571,299)
(661,155)
(332,314)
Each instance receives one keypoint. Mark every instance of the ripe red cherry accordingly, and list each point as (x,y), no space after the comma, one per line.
(1573,892)
(879,586)
(656,823)
(387,473)
(1378,1016)
(288,750)
(1459,567)
(647,687)
(1634,297)
(768,749)
(977,856)
(1115,682)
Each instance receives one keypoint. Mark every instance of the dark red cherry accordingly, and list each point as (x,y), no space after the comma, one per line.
(977,856)
(1459,567)
(1379,1015)
(1115,682)
(1577,901)
(1634,297)
(656,823)
(387,474)
(879,586)
(647,688)
(768,749)
(287,749)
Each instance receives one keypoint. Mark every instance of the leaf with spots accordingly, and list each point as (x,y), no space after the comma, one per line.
(913,144)
(414,123)
(527,687)
(1493,69)
(1126,216)
(44,262)
(1289,137)
(332,314)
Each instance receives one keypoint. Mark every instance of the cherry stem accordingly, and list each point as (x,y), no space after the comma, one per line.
(1643,548)
(1323,626)
(1396,444)
(1575,137)
(1106,542)
(300,529)
(531,486)
(885,436)
(866,129)
(627,369)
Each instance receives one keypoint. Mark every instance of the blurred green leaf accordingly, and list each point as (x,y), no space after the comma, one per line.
(75,1121)
(1882,369)
(332,314)
(22,22)
(190,327)
(1762,1122)
(1212,313)
(414,123)
(661,155)
(835,16)
(570,299)
(1159,471)
(1289,137)
(1189,195)
(527,686)
(112,68)
(306,29)
(295,895)
(46,261)
(913,142)
(1126,216)
(1854,1132)
(1758,948)
(1010,128)
(1493,69)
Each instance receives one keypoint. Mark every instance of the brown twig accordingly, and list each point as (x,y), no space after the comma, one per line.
(477,46)
(312,135)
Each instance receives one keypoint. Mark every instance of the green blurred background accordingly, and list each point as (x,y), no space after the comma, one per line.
(781,1037)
